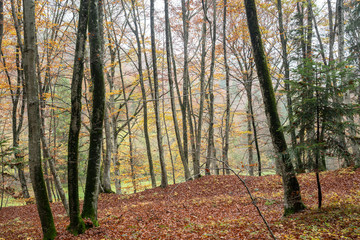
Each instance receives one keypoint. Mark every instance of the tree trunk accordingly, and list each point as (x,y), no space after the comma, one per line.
(185,93)
(210,158)
(250,142)
(283,39)
(97,116)
(106,182)
(77,225)
(292,196)
(164,180)
(171,89)
(36,174)
(15,100)
(227,80)
(252,118)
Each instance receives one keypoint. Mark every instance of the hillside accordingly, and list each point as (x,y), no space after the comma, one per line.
(213,207)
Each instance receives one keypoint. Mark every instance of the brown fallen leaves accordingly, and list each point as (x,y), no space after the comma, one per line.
(213,207)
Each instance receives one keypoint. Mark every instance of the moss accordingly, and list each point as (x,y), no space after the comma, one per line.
(50,234)
(92,217)
(78,229)
(295,209)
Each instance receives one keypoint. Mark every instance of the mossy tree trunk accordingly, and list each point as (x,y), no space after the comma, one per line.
(76,223)
(97,116)
(292,196)
(36,174)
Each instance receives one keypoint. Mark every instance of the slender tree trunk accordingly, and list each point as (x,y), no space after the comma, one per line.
(202,99)
(171,89)
(131,152)
(227,80)
(185,101)
(97,117)
(135,30)
(106,182)
(164,180)
(15,100)
(283,39)
(36,174)
(252,117)
(292,196)
(1,22)
(210,158)
(77,225)
(58,186)
(250,142)
(47,179)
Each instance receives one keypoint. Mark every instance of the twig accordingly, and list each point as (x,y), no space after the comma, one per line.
(253,200)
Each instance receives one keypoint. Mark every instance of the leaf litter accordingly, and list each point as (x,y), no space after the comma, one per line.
(212,207)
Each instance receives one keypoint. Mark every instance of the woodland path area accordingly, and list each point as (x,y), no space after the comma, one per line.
(212,207)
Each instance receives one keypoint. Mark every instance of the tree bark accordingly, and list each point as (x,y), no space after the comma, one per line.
(292,196)
(97,117)
(36,174)
(185,93)
(171,89)
(283,39)
(164,179)
(202,99)
(77,225)
(210,157)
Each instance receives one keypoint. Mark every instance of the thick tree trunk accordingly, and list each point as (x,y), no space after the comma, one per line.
(292,196)
(36,174)
(77,225)
(97,116)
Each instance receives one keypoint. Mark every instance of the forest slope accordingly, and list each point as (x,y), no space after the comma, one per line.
(213,207)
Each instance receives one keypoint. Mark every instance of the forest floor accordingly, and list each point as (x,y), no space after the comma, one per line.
(212,207)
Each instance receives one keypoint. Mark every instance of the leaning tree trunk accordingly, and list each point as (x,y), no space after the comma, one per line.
(77,225)
(292,196)
(97,116)
(36,174)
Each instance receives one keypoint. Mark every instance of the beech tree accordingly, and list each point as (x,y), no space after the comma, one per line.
(292,196)
(97,117)
(36,174)
(77,225)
